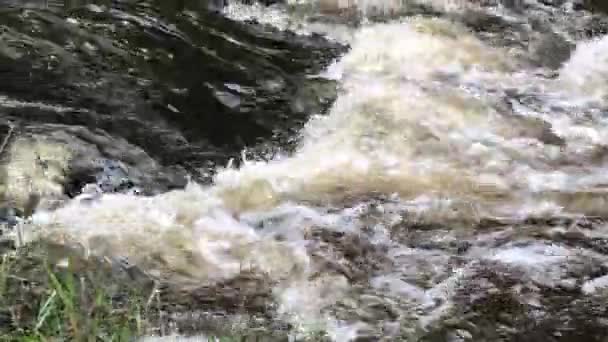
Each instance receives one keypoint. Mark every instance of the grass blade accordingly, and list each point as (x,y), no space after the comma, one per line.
(45,310)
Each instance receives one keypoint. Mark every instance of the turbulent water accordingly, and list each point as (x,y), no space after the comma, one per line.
(454,190)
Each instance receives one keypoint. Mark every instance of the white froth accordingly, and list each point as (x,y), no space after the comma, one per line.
(390,131)
(545,264)
(404,125)
(595,285)
(536,256)
(415,48)
(188,232)
(304,302)
(296,20)
(385,7)
(12,103)
(586,73)
(398,287)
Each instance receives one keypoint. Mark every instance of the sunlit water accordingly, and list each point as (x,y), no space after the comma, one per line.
(455,190)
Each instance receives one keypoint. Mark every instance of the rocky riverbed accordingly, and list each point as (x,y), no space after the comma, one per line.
(308,170)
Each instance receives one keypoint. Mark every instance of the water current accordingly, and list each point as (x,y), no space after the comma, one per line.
(363,170)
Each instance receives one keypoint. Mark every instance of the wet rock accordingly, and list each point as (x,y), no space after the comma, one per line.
(351,255)
(110,163)
(482,21)
(518,311)
(494,29)
(6,132)
(113,177)
(135,83)
(9,216)
(77,182)
(534,128)
(555,3)
(579,239)
(315,97)
(439,238)
(243,291)
(551,50)
(263,2)
(6,245)
(596,26)
(593,5)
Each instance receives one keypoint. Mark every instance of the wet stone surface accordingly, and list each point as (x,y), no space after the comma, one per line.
(123,72)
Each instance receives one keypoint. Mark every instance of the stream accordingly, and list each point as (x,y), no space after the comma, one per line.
(363,170)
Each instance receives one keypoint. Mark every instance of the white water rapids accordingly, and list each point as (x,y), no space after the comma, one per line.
(434,125)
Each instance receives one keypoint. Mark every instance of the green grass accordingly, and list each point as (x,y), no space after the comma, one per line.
(42,303)
(85,301)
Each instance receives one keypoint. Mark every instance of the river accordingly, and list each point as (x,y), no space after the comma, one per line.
(367,170)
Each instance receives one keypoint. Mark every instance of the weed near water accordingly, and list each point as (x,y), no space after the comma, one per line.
(88,300)
(39,302)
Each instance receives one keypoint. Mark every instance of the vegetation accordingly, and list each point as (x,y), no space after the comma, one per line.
(46,298)
(41,302)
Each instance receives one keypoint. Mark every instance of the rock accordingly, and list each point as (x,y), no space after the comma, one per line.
(6,132)
(9,216)
(593,5)
(556,3)
(113,177)
(551,50)
(110,176)
(149,99)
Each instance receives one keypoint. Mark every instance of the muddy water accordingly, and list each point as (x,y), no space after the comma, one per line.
(454,190)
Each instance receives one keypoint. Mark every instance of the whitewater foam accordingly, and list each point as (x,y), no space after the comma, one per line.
(586,73)
(407,125)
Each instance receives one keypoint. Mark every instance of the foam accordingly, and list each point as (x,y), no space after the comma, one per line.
(586,73)
(405,126)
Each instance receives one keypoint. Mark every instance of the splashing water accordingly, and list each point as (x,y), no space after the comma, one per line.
(377,223)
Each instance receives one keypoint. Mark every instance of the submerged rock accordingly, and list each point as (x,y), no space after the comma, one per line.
(9,217)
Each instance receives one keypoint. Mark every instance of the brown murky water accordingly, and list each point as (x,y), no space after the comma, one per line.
(455,190)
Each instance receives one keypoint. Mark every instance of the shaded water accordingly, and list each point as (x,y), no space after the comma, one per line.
(454,190)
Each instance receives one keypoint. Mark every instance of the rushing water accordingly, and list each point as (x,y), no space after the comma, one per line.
(455,190)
